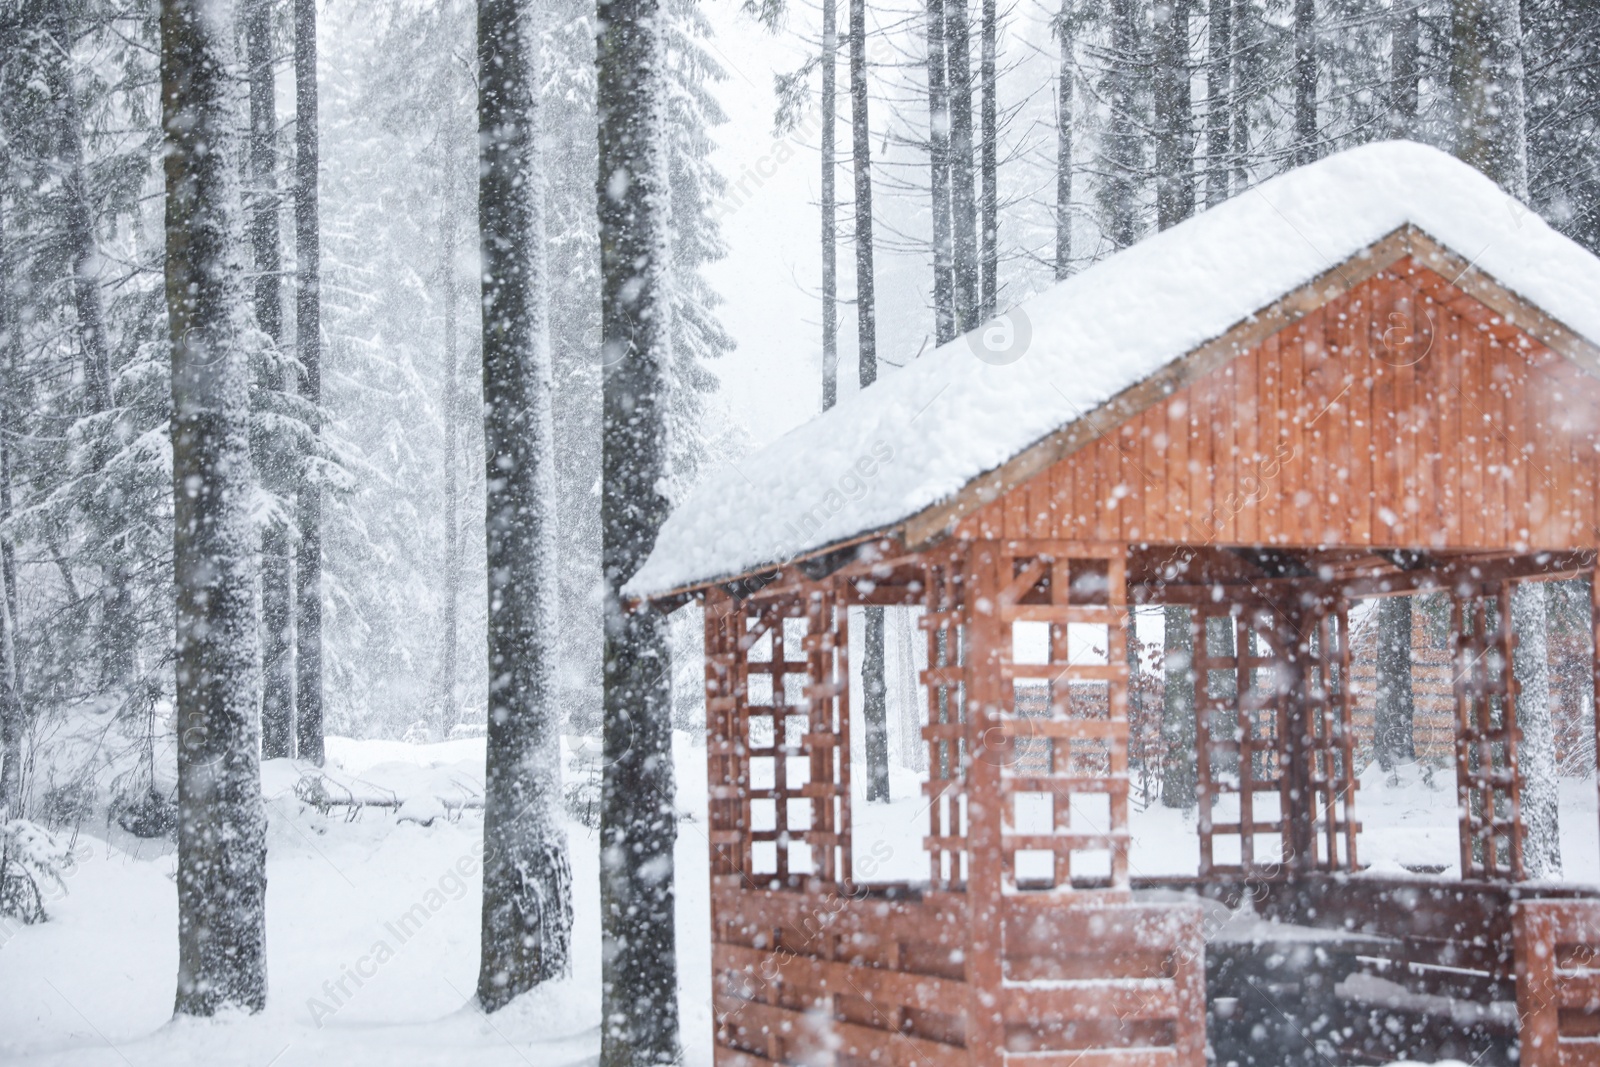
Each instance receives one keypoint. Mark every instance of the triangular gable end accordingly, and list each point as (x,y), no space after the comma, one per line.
(1333,416)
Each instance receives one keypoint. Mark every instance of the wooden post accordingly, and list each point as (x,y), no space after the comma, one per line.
(985,698)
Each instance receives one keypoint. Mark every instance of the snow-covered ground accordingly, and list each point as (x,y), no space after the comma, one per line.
(95,984)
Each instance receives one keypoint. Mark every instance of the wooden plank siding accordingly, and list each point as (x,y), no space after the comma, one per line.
(1402,413)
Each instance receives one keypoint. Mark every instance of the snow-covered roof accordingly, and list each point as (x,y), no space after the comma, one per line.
(921,434)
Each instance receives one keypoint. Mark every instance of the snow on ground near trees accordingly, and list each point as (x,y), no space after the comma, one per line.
(95,984)
(920,434)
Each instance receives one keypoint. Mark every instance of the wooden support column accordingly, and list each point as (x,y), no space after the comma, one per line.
(985,701)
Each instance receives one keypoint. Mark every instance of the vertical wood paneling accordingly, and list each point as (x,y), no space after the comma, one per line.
(1438,432)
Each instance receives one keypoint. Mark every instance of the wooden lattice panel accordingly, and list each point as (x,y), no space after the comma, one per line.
(1329,736)
(777,703)
(1061,735)
(1488,785)
(1243,680)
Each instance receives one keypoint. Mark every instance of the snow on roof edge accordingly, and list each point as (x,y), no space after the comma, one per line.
(922,434)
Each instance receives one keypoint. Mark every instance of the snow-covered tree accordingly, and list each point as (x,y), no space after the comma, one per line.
(638,825)
(527,898)
(221,825)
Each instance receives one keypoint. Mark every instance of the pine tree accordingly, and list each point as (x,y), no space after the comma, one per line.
(637,817)
(118,635)
(11,711)
(1064,124)
(527,898)
(963,194)
(1174,115)
(1486,89)
(308,348)
(221,823)
(988,168)
(1306,136)
(875,697)
(944,309)
(830,207)
(449,226)
(1178,773)
(277,576)
(1123,144)
(1405,30)
(1396,707)
(1219,91)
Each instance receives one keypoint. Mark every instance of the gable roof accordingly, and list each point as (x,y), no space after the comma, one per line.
(931,442)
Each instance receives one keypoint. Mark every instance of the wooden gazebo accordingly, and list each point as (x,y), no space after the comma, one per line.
(1375,375)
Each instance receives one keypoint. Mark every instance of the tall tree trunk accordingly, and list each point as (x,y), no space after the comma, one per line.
(11,724)
(449,224)
(1405,32)
(1174,115)
(1246,35)
(1541,801)
(527,880)
(277,550)
(875,703)
(1124,144)
(1219,90)
(944,307)
(1178,775)
(638,822)
(989,201)
(830,207)
(118,633)
(963,194)
(221,824)
(1305,82)
(1396,706)
(1064,144)
(308,347)
(1486,89)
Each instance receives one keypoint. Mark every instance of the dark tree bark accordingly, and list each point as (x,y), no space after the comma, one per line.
(221,824)
(944,308)
(638,823)
(963,193)
(1219,91)
(527,880)
(861,161)
(1178,710)
(830,207)
(1174,115)
(1246,36)
(1405,32)
(308,347)
(1306,145)
(118,632)
(449,225)
(1064,143)
(988,166)
(1124,146)
(875,709)
(1486,88)
(1396,705)
(277,550)
(11,724)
